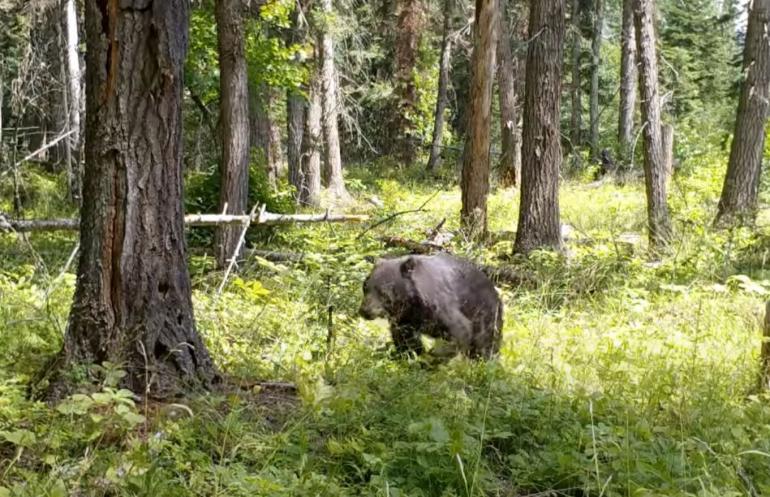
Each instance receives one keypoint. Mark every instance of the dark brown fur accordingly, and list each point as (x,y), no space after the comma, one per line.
(441,296)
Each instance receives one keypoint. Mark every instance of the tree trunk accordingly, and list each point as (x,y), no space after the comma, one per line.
(541,151)
(332,159)
(295,123)
(510,160)
(596,47)
(654,167)
(738,202)
(408,30)
(234,123)
(310,170)
(442,98)
(132,302)
(627,84)
(576,121)
(262,130)
(295,109)
(72,96)
(475,174)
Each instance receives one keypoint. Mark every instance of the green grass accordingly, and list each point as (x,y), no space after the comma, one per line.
(619,376)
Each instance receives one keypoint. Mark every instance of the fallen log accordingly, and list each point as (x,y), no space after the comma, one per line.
(271,256)
(262,218)
(510,276)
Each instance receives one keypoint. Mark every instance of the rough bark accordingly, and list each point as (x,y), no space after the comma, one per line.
(510,159)
(233,121)
(408,31)
(335,182)
(539,225)
(132,302)
(576,116)
(738,202)
(596,47)
(667,142)
(658,221)
(442,97)
(475,174)
(627,84)
(309,192)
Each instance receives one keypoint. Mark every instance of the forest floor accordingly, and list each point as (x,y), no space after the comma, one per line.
(619,374)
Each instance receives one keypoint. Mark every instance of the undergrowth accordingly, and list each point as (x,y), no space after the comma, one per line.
(619,375)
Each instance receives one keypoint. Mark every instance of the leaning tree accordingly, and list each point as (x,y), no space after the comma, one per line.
(132,303)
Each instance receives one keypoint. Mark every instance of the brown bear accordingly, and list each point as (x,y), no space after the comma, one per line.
(441,296)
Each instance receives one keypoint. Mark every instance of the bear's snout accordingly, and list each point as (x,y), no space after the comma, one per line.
(365,313)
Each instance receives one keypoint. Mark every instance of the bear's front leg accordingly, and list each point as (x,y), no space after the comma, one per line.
(406,339)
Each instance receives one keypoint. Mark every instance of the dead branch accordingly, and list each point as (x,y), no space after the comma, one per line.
(415,247)
(432,234)
(395,215)
(45,147)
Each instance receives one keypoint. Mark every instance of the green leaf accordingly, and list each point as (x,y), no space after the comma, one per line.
(21,438)
(58,489)
(438,431)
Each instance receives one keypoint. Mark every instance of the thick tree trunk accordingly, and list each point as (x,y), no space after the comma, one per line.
(576,116)
(475,174)
(442,98)
(541,151)
(332,159)
(596,47)
(654,167)
(295,123)
(738,202)
(72,89)
(234,123)
(408,31)
(310,170)
(510,159)
(627,84)
(132,301)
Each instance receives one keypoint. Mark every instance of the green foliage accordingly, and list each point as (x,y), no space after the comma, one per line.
(618,376)
(699,63)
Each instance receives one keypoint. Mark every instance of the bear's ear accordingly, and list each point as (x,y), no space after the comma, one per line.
(407,267)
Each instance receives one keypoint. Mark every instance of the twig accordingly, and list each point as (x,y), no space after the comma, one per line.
(45,147)
(416,247)
(237,248)
(395,215)
(432,234)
